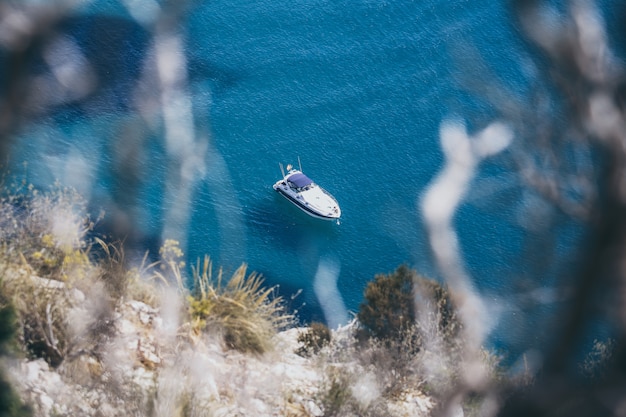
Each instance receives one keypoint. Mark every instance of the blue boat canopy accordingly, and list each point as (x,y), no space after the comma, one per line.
(300,180)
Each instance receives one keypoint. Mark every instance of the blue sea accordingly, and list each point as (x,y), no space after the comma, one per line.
(357,90)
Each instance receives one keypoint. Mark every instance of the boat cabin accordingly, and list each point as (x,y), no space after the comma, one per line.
(299,181)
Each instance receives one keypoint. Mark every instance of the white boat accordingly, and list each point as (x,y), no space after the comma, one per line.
(307,195)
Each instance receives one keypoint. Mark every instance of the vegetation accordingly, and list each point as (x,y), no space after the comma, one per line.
(388,310)
(44,231)
(411,333)
(49,265)
(569,152)
(313,339)
(336,395)
(65,292)
(242,311)
(347,391)
(394,304)
(44,255)
(10,403)
(68,289)
(407,322)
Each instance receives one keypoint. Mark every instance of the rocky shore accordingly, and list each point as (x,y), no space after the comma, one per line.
(150,367)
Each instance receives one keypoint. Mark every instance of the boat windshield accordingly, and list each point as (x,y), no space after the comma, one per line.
(300,180)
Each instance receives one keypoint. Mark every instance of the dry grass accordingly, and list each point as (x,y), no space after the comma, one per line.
(44,232)
(246,314)
(50,268)
(43,256)
(66,293)
(64,286)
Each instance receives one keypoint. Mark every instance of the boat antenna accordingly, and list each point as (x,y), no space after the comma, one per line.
(299,164)
(282,171)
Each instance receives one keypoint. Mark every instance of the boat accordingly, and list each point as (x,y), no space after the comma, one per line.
(307,195)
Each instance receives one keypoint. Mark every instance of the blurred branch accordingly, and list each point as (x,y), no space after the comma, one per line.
(463,154)
(24,29)
(581,65)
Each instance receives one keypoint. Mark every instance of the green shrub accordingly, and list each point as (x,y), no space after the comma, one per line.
(336,395)
(243,312)
(389,311)
(313,339)
(402,313)
(341,394)
(8,320)
(10,403)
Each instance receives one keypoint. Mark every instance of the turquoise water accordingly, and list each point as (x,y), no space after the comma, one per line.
(357,90)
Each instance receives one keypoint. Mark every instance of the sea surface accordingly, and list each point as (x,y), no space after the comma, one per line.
(357,91)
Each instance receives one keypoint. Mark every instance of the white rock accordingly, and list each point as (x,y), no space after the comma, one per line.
(52,379)
(366,389)
(145,318)
(144,311)
(34,368)
(126,327)
(258,407)
(313,409)
(46,403)
(78,295)
(455,410)
(149,356)
(157,322)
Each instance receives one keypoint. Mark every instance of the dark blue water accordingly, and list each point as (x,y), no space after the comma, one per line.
(357,90)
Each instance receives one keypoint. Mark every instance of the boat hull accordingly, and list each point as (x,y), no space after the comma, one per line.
(307,208)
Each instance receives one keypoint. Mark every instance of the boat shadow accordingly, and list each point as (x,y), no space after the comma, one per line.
(284,226)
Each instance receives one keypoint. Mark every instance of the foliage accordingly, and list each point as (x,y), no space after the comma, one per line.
(44,255)
(392,303)
(10,404)
(395,361)
(49,284)
(351,391)
(113,269)
(42,313)
(336,397)
(50,268)
(141,282)
(388,309)
(313,339)
(46,230)
(409,333)
(171,263)
(8,319)
(244,313)
(433,302)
